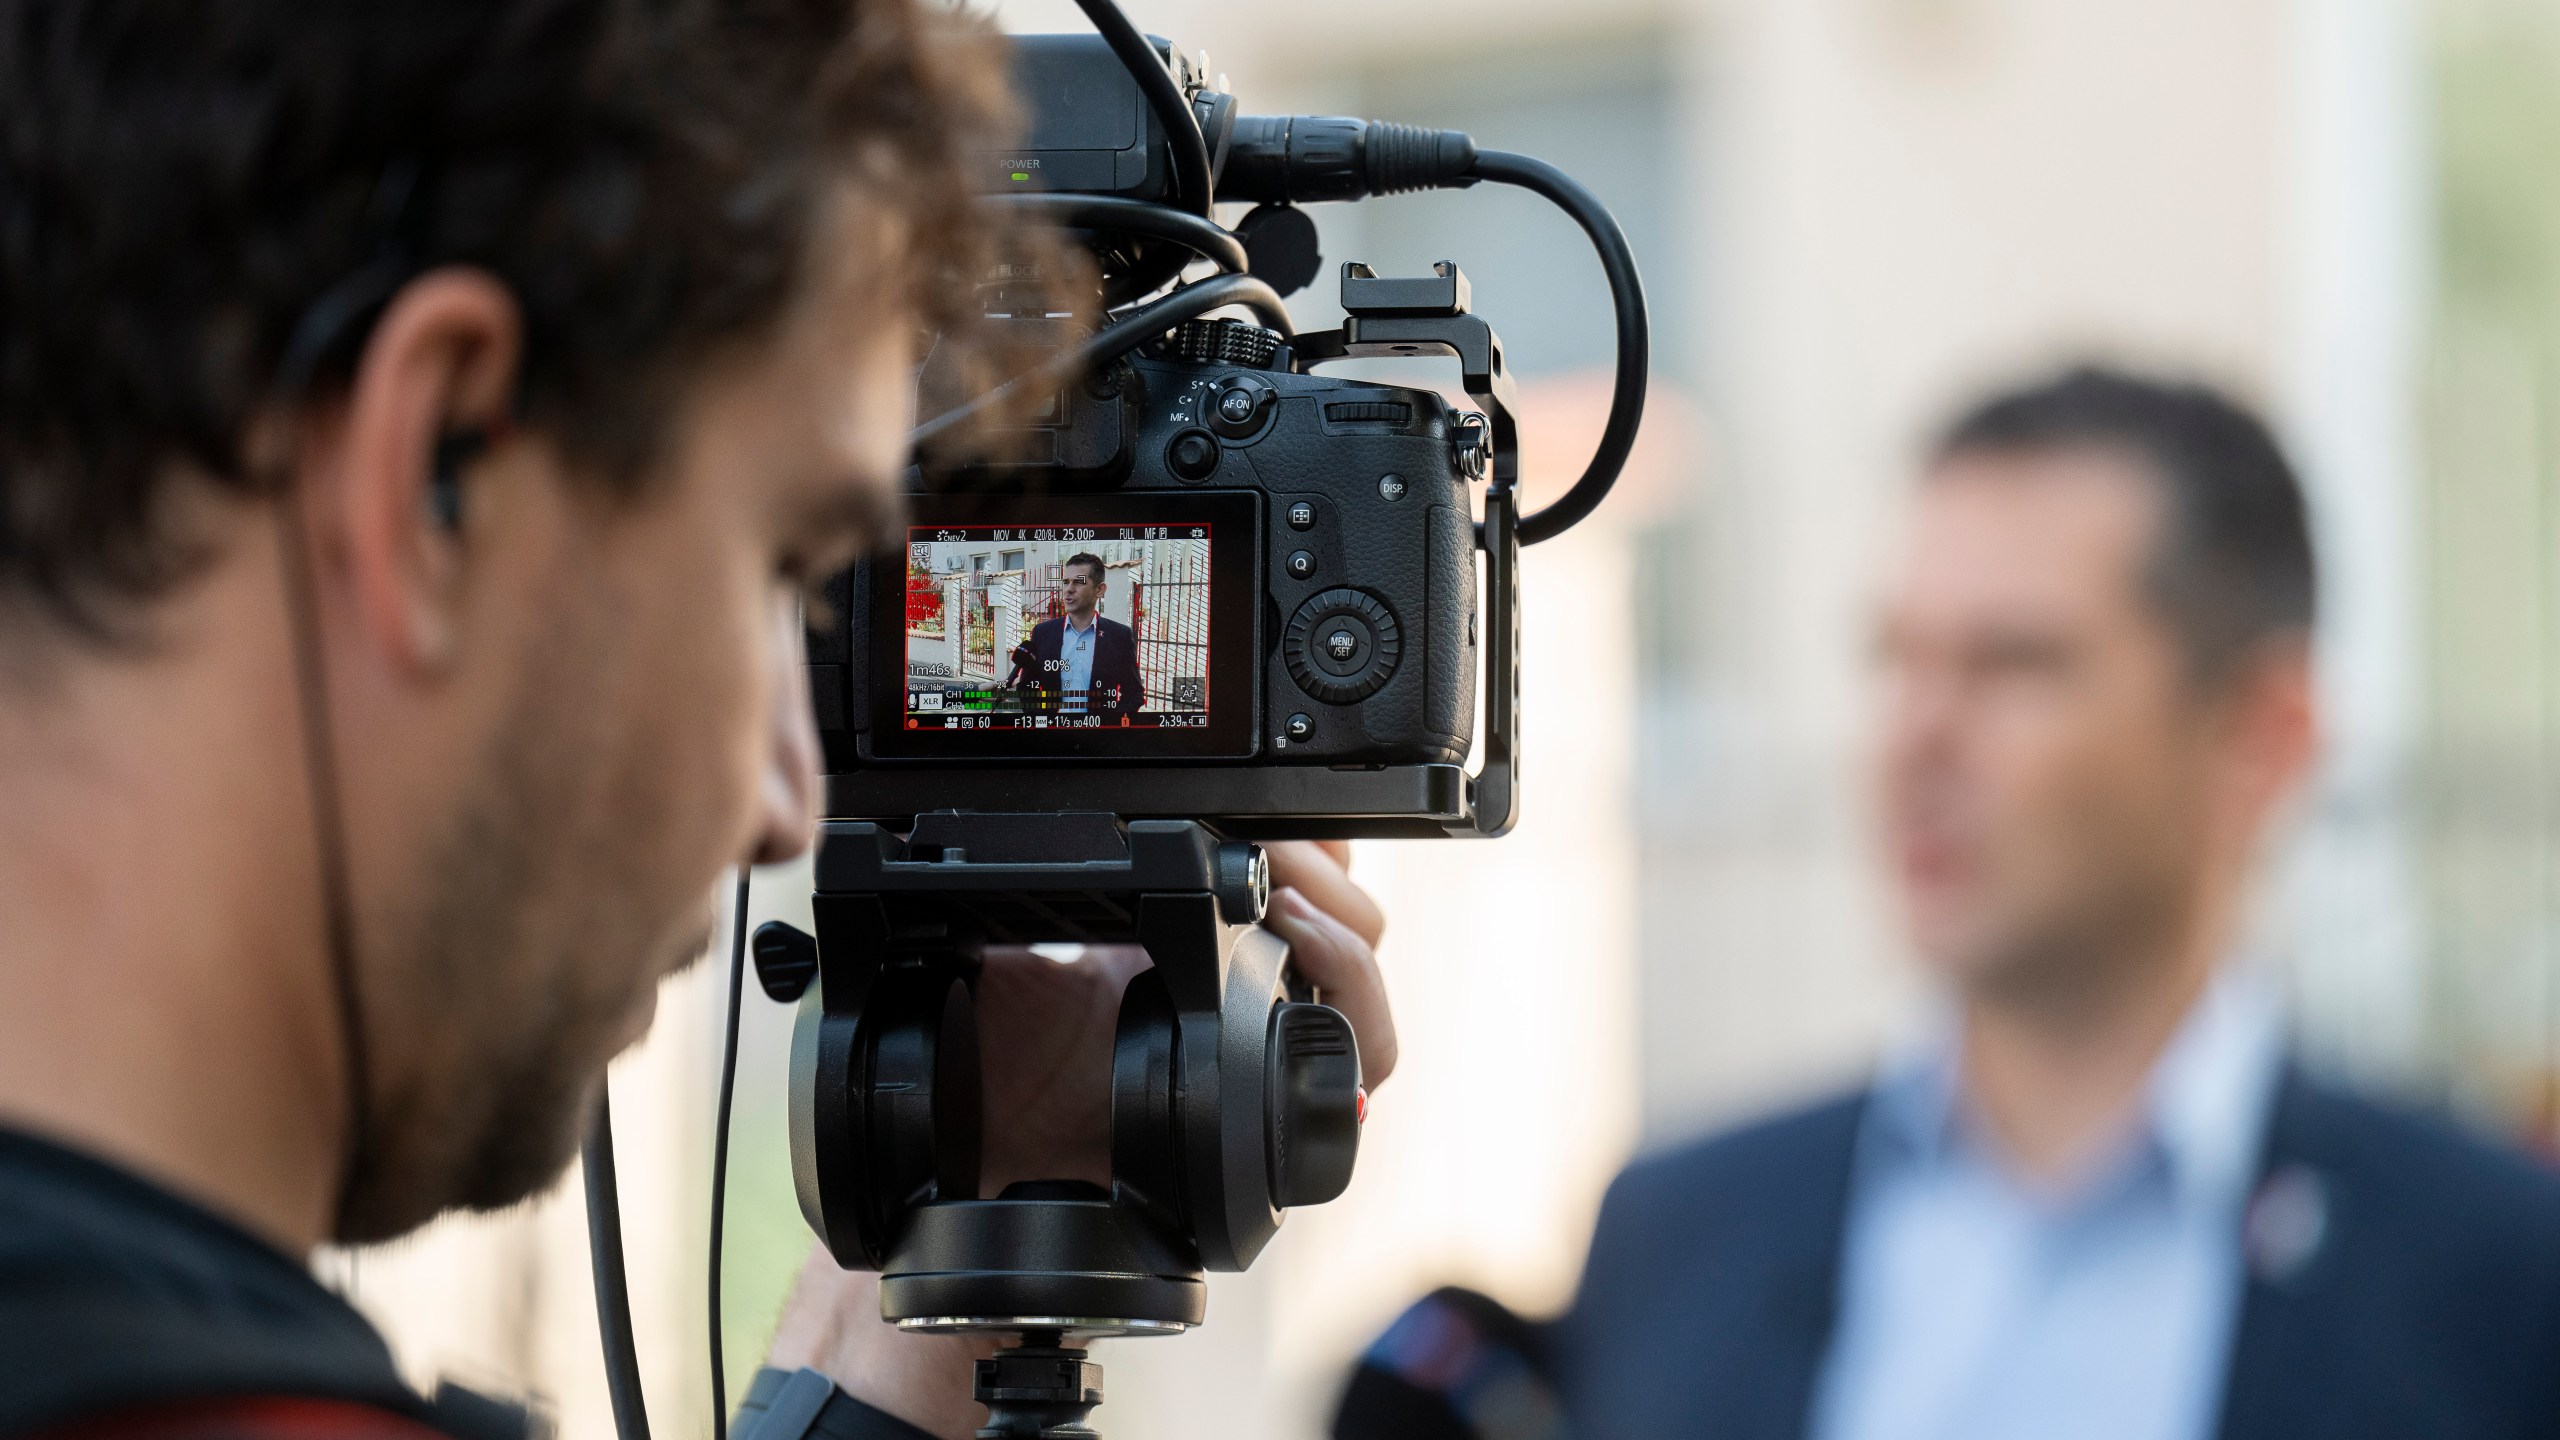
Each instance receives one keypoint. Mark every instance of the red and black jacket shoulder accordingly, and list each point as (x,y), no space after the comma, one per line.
(126,1309)
(453,1414)
(248,1417)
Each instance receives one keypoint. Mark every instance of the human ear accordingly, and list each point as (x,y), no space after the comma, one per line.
(2276,720)
(428,407)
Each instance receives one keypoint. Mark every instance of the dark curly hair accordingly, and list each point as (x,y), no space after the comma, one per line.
(180,180)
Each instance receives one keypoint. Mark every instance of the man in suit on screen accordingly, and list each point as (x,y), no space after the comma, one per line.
(1082,663)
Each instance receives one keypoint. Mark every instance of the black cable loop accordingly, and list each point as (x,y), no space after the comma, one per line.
(1205,238)
(1189,148)
(1634,350)
(1118,338)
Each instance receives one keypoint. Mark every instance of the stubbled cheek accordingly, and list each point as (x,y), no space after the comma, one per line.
(697,690)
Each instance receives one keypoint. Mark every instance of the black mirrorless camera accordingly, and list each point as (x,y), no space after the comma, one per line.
(1298,598)
(1195,596)
(1285,637)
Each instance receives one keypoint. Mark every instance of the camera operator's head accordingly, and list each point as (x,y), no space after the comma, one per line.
(2100,686)
(637,373)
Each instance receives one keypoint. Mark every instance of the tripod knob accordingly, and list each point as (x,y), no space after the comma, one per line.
(786,960)
(1244,882)
(1315,1100)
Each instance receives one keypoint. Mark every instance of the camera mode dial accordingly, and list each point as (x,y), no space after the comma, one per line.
(1342,646)
(1225,342)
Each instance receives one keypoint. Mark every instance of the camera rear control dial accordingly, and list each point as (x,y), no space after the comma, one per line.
(1342,646)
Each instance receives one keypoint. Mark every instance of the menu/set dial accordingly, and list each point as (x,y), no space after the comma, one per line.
(1342,646)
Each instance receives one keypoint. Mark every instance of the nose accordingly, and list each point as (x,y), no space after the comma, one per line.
(1924,726)
(787,798)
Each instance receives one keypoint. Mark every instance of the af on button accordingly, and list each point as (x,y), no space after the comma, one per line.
(1241,405)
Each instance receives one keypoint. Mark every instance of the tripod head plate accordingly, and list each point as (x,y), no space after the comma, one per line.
(1069,1325)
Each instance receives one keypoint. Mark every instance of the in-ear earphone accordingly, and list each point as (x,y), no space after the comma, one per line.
(455,450)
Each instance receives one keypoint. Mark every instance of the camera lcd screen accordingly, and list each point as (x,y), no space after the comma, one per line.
(1108,625)
(1058,626)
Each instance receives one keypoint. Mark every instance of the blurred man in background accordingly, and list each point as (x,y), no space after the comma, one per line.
(2101,1199)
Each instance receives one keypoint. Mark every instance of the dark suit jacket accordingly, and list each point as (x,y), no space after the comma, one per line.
(2429,1306)
(1115,663)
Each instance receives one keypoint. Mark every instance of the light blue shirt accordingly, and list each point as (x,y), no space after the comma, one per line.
(1075,663)
(1974,1306)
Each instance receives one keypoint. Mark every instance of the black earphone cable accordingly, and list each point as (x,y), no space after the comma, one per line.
(720,1149)
(319,331)
(328,832)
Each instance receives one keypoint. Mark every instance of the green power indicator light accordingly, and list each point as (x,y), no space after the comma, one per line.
(1021,174)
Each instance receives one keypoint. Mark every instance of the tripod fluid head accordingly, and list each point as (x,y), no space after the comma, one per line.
(1232,1100)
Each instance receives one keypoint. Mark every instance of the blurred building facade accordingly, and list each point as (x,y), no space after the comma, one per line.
(2488,782)
(1853,215)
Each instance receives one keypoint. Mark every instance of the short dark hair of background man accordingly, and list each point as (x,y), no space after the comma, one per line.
(2232,566)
